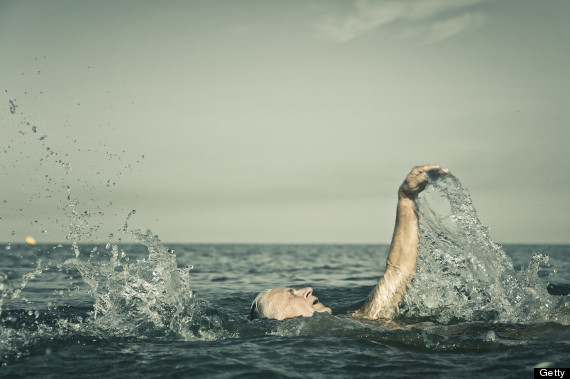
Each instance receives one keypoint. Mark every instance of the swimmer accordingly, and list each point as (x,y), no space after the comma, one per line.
(283,303)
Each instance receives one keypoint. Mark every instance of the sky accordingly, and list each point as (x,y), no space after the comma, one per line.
(279,121)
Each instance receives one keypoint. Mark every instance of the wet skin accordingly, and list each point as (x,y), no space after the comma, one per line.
(289,302)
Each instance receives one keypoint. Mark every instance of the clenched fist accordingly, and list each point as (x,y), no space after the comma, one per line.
(418,178)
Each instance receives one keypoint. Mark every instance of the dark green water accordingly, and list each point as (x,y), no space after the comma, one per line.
(50,330)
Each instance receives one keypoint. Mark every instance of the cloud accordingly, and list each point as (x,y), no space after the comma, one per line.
(442,30)
(370,15)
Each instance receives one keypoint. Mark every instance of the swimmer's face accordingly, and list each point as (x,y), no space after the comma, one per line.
(282,303)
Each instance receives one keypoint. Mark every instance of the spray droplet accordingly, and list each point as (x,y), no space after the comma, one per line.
(13,106)
(490,336)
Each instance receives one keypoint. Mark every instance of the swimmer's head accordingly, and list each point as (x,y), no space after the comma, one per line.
(282,303)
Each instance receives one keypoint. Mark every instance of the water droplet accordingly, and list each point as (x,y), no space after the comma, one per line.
(13,106)
(490,336)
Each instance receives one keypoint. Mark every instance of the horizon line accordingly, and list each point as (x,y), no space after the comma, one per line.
(246,243)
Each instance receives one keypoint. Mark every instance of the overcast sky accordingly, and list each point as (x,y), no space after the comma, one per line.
(280,121)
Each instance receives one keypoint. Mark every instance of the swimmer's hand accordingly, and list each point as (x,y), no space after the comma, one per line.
(418,179)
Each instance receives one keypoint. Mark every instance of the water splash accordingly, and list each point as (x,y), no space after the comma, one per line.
(148,297)
(462,275)
(13,106)
(26,278)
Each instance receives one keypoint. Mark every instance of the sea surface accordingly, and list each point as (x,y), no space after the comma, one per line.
(50,328)
(153,309)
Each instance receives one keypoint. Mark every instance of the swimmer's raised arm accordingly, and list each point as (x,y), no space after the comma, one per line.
(401,262)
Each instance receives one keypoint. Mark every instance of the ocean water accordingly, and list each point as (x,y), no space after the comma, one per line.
(152,309)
